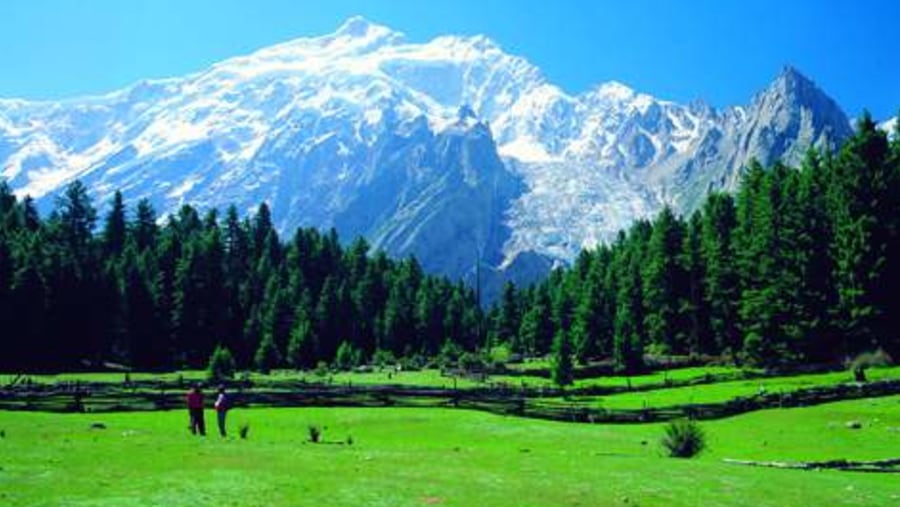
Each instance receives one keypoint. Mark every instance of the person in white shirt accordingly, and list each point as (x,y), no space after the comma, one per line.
(221,409)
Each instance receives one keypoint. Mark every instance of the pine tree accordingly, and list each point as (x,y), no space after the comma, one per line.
(865,237)
(144,229)
(507,325)
(429,319)
(536,330)
(32,345)
(114,230)
(721,284)
(75,216)
(695,310)
(588,322)
(665,280)
(221,364)
(628,346)
(327,316)
(818,296)
(303,346)
(562,369)
(771,273)
(267,356)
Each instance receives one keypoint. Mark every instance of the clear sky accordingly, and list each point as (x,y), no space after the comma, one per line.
(720,50)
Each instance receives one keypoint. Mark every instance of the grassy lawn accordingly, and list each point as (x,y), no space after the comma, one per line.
(424,378)
(655,378)
(724,391)
(412,457)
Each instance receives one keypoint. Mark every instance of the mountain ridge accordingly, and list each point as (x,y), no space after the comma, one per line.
(326,128)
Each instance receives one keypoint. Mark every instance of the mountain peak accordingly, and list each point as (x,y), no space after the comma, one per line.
(614,90)
(791,89)
(792,78)
(792,83)
(358,26)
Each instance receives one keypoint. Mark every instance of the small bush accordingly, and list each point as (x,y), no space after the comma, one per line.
(876,359)
(267,356)
(471,362)
(322,369)
(414,362)
(315,433)
(449,354)
(347,357)
(221,364)
(499,354)
(244,431)
(383,358)
(684,439)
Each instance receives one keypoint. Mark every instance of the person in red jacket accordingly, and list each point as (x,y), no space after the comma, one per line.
(195,409)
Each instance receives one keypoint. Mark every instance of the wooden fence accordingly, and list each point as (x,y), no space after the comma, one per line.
(147,395)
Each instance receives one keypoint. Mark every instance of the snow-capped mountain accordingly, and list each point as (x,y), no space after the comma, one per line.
(888,125)
(452,149)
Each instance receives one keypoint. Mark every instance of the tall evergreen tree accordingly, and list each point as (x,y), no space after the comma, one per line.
(865,230)
(114,230)
(721,283)
(695,308)
(562,369)
(664,284)
(628,345)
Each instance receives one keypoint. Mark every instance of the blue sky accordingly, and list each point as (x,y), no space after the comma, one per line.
(722,51)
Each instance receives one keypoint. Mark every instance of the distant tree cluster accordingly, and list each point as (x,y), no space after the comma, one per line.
(156,297)
(801,266)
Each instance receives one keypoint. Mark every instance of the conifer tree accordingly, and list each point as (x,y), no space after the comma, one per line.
(562,369)
(721,283)
(695,309)
(114,230)
(864,198)
(664,284)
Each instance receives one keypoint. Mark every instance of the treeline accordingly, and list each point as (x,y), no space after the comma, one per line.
(151,297)
(801,266)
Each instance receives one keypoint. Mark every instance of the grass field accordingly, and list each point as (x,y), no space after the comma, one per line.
(724,391)
(412,457)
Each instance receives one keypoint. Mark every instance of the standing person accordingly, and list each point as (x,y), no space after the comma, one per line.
(195,409)
(222,407)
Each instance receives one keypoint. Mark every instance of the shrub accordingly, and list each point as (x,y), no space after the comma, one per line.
(472,363)
(267,356)
(384,358)
(449,353)
(315,433)
(321,369)
(876,359)
(347,357)
(561,367)
(221,364)
(500,354)
(684,439)
(414,362)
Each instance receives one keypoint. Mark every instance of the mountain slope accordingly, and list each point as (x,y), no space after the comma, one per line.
(451,150)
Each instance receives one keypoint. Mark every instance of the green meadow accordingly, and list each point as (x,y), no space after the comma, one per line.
(406,456)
